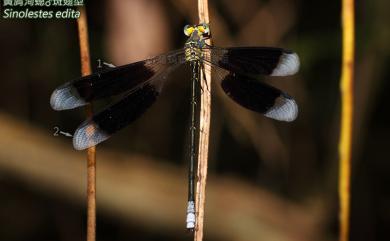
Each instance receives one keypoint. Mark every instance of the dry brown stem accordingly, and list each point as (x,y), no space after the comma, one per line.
(91,152)
(204,134)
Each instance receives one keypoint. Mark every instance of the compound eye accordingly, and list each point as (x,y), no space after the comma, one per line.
(203,28)
(206,29)
(188,30)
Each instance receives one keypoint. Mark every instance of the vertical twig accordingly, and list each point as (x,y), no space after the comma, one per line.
(346,86)
(204,126)
(91,153)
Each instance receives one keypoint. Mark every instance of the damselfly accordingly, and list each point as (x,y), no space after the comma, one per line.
(139,84)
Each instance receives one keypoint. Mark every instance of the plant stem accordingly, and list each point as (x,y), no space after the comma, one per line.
(204,126)
(91,152)
(345,143)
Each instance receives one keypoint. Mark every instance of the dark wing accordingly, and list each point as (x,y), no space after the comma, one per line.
(112,81)
(140,83)
(253,60)
(120,114)
(238,70)
(260,97)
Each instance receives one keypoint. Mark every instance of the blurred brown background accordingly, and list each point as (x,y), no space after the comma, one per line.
(268,180)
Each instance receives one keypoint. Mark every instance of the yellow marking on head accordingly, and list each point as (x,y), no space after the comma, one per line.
(201,29)
(188,30)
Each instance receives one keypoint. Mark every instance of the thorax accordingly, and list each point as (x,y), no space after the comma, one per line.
(193,49)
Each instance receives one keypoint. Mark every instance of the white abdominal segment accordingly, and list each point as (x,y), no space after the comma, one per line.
(190,215)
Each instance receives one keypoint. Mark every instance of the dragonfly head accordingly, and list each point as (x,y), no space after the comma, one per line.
(200,31)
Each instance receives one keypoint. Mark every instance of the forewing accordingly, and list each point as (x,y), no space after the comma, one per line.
(253,60)
(112,81)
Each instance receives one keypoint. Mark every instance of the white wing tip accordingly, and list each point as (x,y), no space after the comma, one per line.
(63,99)
(288,65)
(88,135)
(285,111)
